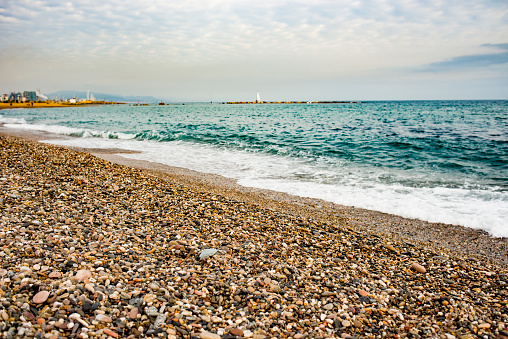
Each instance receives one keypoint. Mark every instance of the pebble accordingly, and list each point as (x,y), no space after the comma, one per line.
(40,297)
(103,318)
(90,249)
(83,274)
(363,293)
(237,332)
(133,314)
(110,333)
(55,275)
(161,319)
(328,307)
(418,268)
(207,253)
(208,335)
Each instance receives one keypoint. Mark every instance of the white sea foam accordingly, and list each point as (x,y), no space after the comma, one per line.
(340,184)
(63,130)
(5,120)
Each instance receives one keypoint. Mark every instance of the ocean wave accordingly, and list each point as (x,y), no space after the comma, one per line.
(5,120)
(65,130)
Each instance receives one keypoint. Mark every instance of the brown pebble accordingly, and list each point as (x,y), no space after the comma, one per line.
(363,293)
(110,333)
(29,315)
(133,314)
(237,332)
(55,275)
(40,297)
(418,268)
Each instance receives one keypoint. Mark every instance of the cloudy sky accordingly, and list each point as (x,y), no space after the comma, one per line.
(229,49)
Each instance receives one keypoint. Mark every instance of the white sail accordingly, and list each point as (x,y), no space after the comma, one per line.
(258,97)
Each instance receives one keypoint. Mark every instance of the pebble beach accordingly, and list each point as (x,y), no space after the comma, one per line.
(95,249)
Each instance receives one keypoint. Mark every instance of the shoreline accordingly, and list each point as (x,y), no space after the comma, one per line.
(51,104)
(94,249)
(475,243)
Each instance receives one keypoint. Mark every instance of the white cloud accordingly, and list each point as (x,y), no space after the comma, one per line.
(320,39)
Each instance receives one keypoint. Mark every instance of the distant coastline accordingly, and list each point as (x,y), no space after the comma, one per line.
(48,104)
(291,102)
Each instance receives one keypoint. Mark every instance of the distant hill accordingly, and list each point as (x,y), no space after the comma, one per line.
(101,97)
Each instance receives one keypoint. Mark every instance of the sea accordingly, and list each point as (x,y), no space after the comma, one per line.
(439,161)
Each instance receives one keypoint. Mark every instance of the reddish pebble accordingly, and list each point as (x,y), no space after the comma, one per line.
(133,314)
(40,297)
(83,274)
(236,331)
(418,268)
(29,315)
(55,275)
(110,333)
(363,293)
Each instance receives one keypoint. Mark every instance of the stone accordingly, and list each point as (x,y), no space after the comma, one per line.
(55,275)
(110,333)
(236,331)
(40,297)
(328,307)
(418,268)
(160,320)
(152,311)
(209,335)
(207,253)
(103,318)
(363,293)
(133,314)
(82,275)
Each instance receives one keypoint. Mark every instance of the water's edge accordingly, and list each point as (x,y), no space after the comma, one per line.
(442,237)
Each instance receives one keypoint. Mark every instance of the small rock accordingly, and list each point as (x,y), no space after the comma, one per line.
(161,319)
(236,331)
(152,311)
(208,335)
(418,268)
(363,293)
(133,314)
(40,297)
(275,288)
(103,318)
(28,316)
(110,333)
(83,274)
(207,253)
(55,275)
(328,307)
(484,325)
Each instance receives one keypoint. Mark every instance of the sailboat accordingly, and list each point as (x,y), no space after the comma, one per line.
(258,98)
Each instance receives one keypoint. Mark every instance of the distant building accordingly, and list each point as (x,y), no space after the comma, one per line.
(30,95)
(16,96)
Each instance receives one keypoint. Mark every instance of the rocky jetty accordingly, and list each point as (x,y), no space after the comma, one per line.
(91,249)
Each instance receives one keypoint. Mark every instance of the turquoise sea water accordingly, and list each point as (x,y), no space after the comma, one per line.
(443,161)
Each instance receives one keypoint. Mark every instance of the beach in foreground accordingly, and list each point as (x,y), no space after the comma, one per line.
(90,248)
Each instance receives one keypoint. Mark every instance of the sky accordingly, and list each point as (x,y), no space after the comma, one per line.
(227,50)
